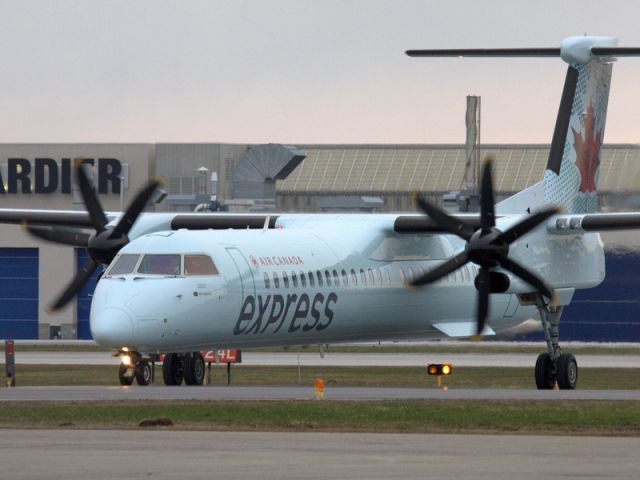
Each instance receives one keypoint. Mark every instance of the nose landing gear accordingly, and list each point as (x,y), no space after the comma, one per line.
(134,366)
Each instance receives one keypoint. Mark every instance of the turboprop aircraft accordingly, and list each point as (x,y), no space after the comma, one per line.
(180,283)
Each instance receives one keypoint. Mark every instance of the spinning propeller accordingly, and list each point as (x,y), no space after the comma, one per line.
(104,244)
(487,247)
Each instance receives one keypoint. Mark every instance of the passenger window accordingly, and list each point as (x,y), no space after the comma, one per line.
(294,279)
(336,278)
(276,280)
(199,265)
(266,280)
(285,279)
(311,279)
(354,278)
(345,278)
(160,265)
(124,264)
(319,278)
(327,276)
(303,280)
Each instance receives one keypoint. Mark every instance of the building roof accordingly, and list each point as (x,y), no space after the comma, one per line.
(440,168)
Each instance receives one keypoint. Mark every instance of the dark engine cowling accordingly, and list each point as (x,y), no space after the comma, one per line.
(499,282)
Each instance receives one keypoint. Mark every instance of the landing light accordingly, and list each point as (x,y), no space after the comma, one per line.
(126,360)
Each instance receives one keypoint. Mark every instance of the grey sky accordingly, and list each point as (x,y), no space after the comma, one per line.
(294,71)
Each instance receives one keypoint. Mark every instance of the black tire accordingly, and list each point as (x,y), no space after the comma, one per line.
(545,372)
(193,368)
(125,379)
(142,373)
(567,372)
(173,369)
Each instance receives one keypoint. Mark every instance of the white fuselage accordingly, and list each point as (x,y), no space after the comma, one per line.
(354,270)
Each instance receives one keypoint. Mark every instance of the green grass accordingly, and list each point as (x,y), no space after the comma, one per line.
(463,377)
(584,418)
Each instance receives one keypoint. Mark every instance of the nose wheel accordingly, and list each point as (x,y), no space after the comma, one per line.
(134,367)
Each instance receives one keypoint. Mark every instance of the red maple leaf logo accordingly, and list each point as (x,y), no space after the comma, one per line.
(588,152)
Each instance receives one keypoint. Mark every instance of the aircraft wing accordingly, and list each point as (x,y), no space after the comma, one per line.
(68,218)
(594,222)
(410,223)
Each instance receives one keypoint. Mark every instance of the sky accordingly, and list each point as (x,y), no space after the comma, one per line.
(295,71)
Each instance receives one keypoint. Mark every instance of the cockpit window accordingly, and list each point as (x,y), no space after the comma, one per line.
(160,264)
(199,265)
(124,264)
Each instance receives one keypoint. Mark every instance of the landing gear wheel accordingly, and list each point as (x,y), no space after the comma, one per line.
(545,372)
(567,372)
(124,375)
(173,369)
(193,368)
(142,373)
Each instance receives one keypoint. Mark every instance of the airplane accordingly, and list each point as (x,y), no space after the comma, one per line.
(178,283)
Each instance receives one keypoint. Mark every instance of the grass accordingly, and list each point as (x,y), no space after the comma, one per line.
(463,377)
(583,418)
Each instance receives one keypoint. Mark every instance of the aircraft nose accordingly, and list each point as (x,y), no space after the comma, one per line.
(112,327)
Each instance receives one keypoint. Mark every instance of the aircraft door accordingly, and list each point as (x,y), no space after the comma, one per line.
(245,273)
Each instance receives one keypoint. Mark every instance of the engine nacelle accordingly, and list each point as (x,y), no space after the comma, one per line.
(499,282)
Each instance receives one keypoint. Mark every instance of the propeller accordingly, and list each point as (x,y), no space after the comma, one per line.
(104,243)
(487,247)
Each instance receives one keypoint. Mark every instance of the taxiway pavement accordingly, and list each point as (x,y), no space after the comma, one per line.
(169,454)
(348,359)
(157,392)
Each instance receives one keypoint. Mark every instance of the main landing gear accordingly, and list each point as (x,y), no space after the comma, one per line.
(189,367)
(554,367)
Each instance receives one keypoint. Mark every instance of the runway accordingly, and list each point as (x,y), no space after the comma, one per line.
(348,359)
(156,392)
(167,454)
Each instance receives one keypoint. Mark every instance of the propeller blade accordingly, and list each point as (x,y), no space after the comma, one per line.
(487,212)
(526,275)
(484,287)
(441,270)
(74,286)
(67,236)
(444,220)
(519,229)
(90,197)
(136,207)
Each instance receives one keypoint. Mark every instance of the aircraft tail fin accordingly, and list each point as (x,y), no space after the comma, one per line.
(571,176)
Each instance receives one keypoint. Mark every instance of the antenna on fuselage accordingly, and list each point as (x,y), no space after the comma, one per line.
(265,227)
